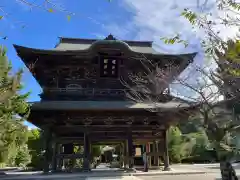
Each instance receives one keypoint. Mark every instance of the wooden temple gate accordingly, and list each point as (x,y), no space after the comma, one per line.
(84,103)
(126,131)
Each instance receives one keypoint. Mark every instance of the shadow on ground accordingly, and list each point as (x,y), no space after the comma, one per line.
(236,167)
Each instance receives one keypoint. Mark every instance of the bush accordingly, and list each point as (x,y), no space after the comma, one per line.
(176,152)
(23,157)
(35,144)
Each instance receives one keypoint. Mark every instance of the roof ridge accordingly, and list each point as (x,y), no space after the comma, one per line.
(89,40)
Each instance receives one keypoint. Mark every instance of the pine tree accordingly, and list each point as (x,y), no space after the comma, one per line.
(12,108)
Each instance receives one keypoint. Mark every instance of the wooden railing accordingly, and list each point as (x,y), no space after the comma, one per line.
(88,91)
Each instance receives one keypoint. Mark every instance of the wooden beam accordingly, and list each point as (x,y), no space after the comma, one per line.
(111,134)
(107,128)
(103,139)
(69,156)
(79,140)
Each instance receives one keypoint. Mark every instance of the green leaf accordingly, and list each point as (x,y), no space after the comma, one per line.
(189,15)
(1,17)
(68,17)
(172,41)
(50,10)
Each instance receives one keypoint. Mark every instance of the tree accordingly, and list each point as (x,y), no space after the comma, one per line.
(96,151)
(225,54)
(175,144)
(8,86)
(36,148)
(13,133)
(23,157)
(216,118)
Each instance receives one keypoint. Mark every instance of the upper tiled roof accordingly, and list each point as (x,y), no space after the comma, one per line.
(83,44)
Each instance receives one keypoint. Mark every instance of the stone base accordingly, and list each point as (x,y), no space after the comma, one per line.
(47,172)
(2,173)
(167,169)
(86,170)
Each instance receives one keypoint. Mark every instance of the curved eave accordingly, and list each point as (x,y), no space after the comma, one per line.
(106,105)
(27,50)
(21,50)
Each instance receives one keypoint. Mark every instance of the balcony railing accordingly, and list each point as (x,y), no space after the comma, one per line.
(88,91)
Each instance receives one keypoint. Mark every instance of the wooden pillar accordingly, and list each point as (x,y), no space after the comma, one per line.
(54,156)
(155,157)
(165,151)
(68,149)
(158,151)
(121,160)
(125,152)
(47,155)
(130,149)
(60,160)
(86,160)
(143,148)
(148,157)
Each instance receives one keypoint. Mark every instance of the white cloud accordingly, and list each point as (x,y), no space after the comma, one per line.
(154,19)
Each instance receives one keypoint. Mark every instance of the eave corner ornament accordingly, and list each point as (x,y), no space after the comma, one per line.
(87,121)
(129,120)
(108,121)
(146,121)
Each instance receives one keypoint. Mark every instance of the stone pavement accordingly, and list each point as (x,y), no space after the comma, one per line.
(182,177)
(102,172)
(180,171)
(159,177)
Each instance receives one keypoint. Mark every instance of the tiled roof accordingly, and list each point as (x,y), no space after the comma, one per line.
(83,44)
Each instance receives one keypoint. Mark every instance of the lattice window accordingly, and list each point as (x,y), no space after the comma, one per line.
(108,67)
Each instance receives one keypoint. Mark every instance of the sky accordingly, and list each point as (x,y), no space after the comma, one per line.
(125,19)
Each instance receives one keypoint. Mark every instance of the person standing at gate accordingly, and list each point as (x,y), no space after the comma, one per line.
(145,161)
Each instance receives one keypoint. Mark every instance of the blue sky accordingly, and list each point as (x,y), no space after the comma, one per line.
(125,19)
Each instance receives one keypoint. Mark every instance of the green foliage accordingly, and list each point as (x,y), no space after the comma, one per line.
(232,57)
(201,144)
(23,158)
(234,5)
(218,127)
(96,150)
(215,133)
(179,145)
(50,10)
(68,17)
(13,134)
(174,144)
(174,136)
(35,145)
(191,16)
(175,39)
